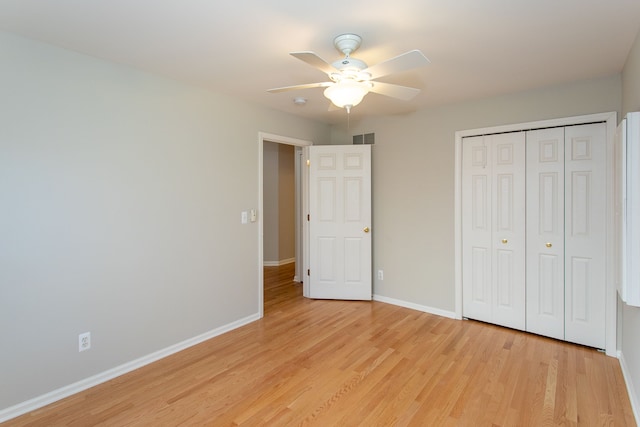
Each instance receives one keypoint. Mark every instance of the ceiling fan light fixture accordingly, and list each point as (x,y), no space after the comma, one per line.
(346,93)
(350,79)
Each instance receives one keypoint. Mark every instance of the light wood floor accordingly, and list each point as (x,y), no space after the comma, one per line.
(357,363)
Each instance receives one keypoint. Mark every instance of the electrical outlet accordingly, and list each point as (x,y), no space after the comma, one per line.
(380,275)
(84,341)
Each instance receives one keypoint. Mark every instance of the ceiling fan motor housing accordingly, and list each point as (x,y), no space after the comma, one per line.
(347,43)
(349,64)
(349,67)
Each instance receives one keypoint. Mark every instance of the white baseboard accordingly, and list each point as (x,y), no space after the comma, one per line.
(278,263)
(633,395)
(423,308)
(61,393)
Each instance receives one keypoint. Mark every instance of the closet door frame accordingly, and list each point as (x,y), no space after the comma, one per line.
(610,118)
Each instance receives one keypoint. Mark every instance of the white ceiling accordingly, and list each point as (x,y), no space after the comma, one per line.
(477,48)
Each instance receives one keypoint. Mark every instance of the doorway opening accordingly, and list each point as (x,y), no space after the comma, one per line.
(300,258)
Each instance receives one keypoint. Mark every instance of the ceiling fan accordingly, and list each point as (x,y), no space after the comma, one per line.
(351,79)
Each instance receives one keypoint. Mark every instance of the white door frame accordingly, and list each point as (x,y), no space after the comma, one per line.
(299,211)
(280,139)
(611,119)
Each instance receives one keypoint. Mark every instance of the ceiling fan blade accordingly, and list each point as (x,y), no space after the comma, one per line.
(297,87)
(395,91)
(315,61)
(404,62)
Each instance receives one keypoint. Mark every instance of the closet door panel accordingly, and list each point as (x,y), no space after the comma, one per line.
(585,234)
(545,232)
(508,230)
(476,229)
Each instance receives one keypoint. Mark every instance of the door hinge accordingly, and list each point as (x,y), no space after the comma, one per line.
(308,272)
(308,162)
(308,217)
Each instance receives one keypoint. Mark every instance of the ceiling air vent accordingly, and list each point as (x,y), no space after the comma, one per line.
(366,138)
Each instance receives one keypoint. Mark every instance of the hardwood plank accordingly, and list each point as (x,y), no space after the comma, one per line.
(317,362)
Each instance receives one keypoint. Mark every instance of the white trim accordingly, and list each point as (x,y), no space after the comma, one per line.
(299,234)
(611,295)
(518,127)
(279,263)
(305,280)
(413,306)
(280,139)
(457,228)
(77,387)
(262,137)
(610,119)
(633,394)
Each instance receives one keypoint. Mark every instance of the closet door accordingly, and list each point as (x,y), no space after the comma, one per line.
(545,232)
(493,229)
(477,245)
(585,234)
(566,231)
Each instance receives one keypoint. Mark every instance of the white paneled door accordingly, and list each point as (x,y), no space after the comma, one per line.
(585,234)
(566,229)
(493,228)
(545,232)
(340,222)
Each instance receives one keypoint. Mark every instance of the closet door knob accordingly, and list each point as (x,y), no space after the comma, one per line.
(504,241)
(548,244)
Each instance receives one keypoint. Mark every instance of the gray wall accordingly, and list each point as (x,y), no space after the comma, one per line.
(279,202)
(630,316)
(413,180)
(121,195)
(286,203)
(270,214)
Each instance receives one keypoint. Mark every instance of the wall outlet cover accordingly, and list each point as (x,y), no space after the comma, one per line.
(84,341)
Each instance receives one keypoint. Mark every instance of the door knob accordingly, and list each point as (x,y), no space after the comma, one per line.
(366,229)
(504,241)
(548,244)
